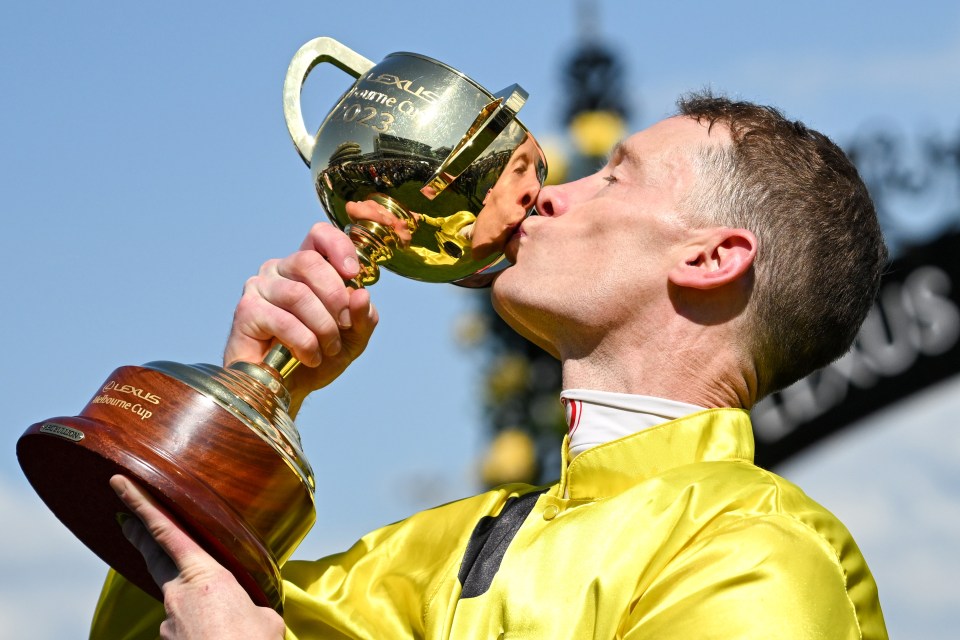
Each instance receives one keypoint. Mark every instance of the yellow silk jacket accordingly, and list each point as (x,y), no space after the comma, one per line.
(671,532)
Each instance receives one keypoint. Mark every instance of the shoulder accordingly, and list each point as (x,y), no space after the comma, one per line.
(739,496)
(749,494)
(764,530)
(740,489)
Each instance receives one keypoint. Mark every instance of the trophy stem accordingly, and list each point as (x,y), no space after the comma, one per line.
(374,242)
(281,360)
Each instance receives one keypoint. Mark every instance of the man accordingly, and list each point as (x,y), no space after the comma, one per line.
(719,255)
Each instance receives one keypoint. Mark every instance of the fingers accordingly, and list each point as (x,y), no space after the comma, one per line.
(160,566)
(333,244)
(364,319)
(165,548)
(201,598)
(301,300)
(311,303)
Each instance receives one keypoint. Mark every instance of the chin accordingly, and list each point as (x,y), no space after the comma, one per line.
(527,322)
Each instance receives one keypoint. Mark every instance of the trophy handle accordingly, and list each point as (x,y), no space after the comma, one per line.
(304,60)
(490,123)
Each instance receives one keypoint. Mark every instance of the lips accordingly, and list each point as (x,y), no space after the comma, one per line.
(513,242)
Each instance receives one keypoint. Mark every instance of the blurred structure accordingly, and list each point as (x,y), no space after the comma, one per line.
(915,184)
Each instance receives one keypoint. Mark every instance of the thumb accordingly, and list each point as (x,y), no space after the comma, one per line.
(167,550)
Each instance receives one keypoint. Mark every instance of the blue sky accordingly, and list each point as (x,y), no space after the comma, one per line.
(145,173)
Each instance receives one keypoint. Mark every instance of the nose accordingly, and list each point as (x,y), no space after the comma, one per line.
(527,195)
(551,201)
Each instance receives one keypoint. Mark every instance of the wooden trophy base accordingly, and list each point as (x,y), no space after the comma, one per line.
(239,488)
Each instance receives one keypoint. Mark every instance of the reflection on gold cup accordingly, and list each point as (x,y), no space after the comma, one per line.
(216,446)
(421,139)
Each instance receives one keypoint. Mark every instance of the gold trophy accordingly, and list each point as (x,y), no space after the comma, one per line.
(451,165)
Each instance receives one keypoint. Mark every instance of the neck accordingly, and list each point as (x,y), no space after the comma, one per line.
(693,369)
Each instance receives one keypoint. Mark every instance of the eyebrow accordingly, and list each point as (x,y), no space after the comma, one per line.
(616,153)
(622,154)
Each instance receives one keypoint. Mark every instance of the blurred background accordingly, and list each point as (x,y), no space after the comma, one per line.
(146,172)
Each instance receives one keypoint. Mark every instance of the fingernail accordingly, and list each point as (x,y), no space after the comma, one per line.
(345,319)
(333,348)
(119,485)
(122,517)
(351,264)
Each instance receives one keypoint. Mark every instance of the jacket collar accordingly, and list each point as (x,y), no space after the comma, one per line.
(613,467)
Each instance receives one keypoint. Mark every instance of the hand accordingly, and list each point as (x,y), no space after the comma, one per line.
(303,302)
(375,212)
(201,598)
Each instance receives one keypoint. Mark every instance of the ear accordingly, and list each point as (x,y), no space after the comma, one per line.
(714,257)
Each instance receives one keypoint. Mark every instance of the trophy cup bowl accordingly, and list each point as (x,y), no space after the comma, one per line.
(216,446)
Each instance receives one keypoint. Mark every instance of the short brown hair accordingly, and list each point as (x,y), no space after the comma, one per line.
(820,249)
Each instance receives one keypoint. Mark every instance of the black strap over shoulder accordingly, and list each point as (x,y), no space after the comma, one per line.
(489,542)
